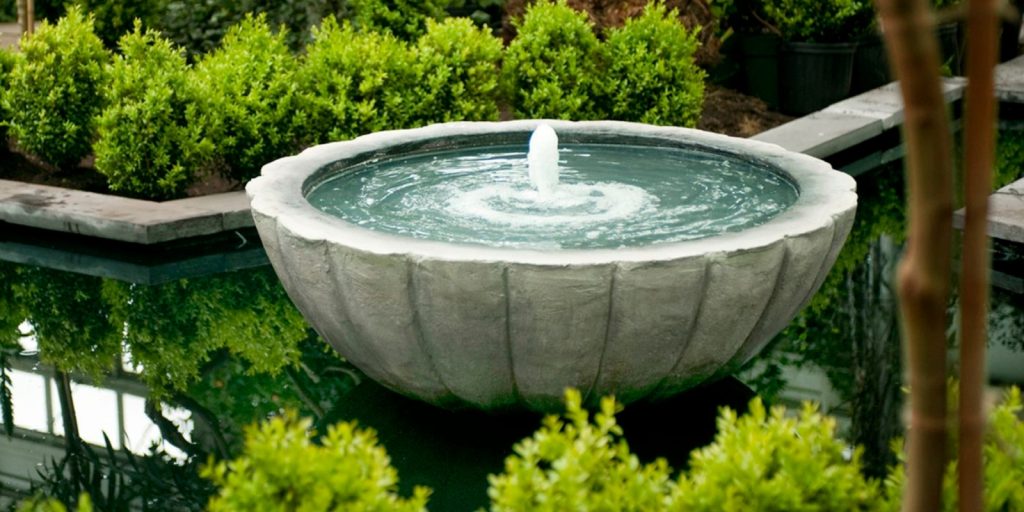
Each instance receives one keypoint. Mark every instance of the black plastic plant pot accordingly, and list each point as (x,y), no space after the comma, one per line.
(761,66)
(870,65)
(814,75)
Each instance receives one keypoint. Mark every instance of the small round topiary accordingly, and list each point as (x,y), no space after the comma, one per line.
(552,67)
(767,461)
(352,83)
(282,469)
(55,90)
(460,64)
(574,464)
(652,76)
(246,99)
(145,146)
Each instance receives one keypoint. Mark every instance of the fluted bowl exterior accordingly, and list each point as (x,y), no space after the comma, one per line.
(498,328)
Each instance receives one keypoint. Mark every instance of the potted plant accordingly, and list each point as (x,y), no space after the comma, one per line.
(757,43)
(870,65)
(816,58)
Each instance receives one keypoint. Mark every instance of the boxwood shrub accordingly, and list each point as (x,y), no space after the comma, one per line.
(652,76)
(283,469)
(55,90)
(768,461)
(146,147)
(8,60)
(552,68)
(246,97)
(354,82)
(577,464)
(460,66)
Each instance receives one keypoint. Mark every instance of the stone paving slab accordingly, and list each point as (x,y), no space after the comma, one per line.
(1010,80)
(1005,213)
(849,122)
(823,133)
(119,218)
(886,104)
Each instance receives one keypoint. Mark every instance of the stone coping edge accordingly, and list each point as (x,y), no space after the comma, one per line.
(820,134)
(120,218)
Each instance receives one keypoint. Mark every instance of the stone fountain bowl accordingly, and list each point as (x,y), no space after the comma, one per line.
(499,328)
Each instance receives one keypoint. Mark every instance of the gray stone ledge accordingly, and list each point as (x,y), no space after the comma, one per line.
(1010,80)
(849,122)
(120,218)
(1005,213)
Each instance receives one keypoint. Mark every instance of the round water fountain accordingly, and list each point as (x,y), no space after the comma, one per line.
(465,266)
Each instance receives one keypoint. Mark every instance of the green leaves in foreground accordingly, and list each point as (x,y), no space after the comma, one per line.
(768,461)
(283,469)
(573,464)
(1002,455)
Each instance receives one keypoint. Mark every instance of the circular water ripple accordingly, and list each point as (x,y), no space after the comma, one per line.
(609,196)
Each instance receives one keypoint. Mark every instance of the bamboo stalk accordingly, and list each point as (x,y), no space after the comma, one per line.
(30,17)
(22,15)
(979,154)
(923,278)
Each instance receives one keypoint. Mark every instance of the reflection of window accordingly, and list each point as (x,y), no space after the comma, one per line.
(100,410)
(30,399)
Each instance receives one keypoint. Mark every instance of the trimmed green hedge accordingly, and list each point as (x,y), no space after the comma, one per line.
(8,60)
(460,66)
(652,76)
(156,123)
(55,90)
(146,146)
(246,99)
(352,83)
(552,67)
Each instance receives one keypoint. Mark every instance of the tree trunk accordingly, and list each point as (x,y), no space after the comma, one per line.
(923,278)
(979,153)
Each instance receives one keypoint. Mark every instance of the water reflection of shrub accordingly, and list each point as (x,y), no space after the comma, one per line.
(69,318)
(1009,157)
(172,330)
(850,329)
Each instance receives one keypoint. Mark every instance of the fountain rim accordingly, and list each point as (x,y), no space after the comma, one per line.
(824,194)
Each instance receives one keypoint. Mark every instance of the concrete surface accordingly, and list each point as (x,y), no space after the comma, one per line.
(495,328)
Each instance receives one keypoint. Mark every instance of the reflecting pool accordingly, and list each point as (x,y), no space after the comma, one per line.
(168,369)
